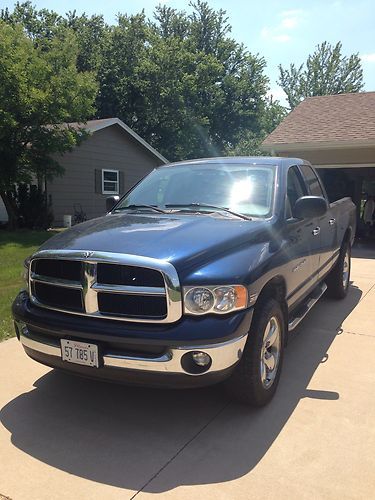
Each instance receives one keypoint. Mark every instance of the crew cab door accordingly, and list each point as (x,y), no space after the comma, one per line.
(299,237)
(326,241)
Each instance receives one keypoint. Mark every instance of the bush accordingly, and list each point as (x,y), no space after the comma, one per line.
(33,209)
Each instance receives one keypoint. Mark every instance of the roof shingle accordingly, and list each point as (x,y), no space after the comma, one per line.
(328,119)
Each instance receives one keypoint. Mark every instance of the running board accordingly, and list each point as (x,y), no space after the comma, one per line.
(305,307)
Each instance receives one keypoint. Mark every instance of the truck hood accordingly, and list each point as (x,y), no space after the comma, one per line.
(184,240)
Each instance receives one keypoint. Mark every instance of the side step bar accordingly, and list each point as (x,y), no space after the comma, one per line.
(304,308)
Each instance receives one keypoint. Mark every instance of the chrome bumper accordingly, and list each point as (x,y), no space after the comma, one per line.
(223,355)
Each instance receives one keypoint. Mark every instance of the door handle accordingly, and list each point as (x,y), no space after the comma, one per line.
(332,222)
(316,231)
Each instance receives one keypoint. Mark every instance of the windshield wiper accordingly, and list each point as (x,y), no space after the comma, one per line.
(135,207)
(205,205)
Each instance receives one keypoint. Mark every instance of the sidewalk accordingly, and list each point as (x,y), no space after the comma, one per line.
(68,438)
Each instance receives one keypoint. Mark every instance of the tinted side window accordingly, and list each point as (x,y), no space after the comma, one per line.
(295,189)
(312,181)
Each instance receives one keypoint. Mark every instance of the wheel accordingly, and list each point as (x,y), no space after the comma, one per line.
(256,376)
(338,279)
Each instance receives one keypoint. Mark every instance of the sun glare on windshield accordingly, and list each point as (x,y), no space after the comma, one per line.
(246,188)
(241,191)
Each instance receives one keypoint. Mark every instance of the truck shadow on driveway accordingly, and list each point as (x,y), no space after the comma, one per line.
(124,436)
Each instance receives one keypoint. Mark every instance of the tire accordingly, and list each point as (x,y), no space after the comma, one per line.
(245,384)
(338,279)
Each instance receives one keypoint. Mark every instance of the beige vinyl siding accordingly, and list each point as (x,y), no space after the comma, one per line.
(342,156)
(110,148)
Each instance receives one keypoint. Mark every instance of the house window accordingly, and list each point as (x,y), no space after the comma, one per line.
(110,181)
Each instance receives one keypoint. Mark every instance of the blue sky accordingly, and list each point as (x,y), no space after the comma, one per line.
(283,31)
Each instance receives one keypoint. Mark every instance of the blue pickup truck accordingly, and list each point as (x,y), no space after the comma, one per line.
(196,276)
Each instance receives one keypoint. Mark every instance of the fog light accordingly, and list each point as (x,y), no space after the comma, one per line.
(201,358)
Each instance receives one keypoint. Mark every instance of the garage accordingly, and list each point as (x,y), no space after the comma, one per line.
(336,133)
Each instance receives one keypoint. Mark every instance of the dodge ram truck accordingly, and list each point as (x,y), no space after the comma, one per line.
(196,276)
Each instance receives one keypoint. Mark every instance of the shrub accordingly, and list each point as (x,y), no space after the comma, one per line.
(32,208)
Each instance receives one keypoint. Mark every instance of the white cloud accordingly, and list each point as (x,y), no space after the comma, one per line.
(370,58)
(269,34)
(290,19)
(289,22)
(282,38)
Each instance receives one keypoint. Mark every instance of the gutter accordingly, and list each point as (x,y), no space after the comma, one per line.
(313,146)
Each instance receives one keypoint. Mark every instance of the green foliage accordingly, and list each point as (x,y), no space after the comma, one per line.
(33,210)
(42,26)
(92,35)
(247,141)
(40,88)
(326,72)
(181,82)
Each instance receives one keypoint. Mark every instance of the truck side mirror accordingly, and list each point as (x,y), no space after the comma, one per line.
(308,207)
(110,202)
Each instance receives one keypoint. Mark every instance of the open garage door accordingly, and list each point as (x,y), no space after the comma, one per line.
(358,182)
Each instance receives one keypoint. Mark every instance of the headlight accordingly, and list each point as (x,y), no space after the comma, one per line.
(25,274)
(199,300)
(214,299)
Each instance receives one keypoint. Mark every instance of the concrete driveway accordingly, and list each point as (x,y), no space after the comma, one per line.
(69,438)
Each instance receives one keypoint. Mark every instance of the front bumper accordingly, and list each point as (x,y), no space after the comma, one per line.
(143,360)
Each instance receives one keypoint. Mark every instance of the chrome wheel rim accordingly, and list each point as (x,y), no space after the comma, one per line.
(346,270)
(270,352)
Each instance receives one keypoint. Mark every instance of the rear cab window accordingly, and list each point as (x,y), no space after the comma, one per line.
(312,181)
(295,189)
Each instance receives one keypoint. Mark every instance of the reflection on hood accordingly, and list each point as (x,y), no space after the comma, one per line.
(179,239)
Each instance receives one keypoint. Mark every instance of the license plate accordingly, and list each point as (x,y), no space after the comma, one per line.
(79,353)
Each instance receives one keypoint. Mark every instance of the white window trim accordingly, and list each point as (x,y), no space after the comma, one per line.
(117,182)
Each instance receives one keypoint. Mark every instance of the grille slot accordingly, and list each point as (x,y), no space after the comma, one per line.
(132,305)
(115,274)
(55,268)
(60,297)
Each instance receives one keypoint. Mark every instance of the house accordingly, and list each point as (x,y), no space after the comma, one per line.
(336,133)
(109,162)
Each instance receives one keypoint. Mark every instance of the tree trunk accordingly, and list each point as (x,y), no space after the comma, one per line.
(10,207)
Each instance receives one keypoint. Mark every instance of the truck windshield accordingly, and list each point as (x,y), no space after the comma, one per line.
(242,188)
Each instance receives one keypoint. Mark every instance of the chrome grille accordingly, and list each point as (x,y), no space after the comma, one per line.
(105,285)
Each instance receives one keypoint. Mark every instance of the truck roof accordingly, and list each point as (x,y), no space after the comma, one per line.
(255,160)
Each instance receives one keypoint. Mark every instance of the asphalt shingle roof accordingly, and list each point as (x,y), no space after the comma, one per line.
(333,118)
(93,125)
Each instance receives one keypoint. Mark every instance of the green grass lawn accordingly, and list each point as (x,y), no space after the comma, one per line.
(14,248)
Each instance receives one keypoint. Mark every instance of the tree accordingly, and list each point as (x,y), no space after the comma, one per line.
(181,81)
(40,89)
(42,26)
(326,72)
(247,142)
